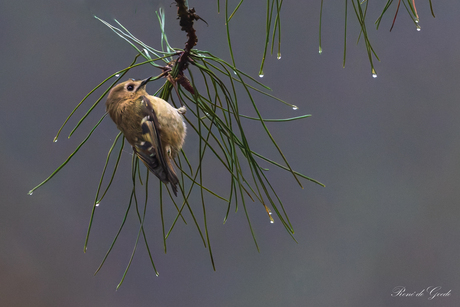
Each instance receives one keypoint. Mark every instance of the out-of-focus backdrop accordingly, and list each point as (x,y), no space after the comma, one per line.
(388,150)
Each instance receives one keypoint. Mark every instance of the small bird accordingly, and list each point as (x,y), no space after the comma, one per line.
(155,129)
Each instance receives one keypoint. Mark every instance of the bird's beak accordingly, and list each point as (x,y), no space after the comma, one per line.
(143,83)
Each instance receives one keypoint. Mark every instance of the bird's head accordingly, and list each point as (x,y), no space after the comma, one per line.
(126,90)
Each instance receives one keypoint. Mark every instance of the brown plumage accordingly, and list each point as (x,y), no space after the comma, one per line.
(153,127)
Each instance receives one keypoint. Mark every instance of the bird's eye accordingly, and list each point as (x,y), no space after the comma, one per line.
(130,87)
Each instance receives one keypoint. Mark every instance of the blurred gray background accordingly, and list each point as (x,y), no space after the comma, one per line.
(387,149)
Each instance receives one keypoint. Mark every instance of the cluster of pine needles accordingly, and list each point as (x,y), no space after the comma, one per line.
(213,114)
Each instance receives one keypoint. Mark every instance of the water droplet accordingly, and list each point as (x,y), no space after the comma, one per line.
(234,72)
(30,192)
(272,221)
(295,107)
(320,50)
(261,75)
(147,53)
(157,274)
(97,204)
(270,213)
(55,139)
(117,75)
(417,20)
(279,56)
(374,74)
(418,28)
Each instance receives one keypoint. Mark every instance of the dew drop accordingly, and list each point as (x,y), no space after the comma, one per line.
(147,54)
(30,192)
(97,204)
(295,107)
(417,20)
(418,28)
(320,50)
(261,75)
(117,75)
(234,72)
(279,56)
(374,74)
(55,140)
(157,274)
(272,221)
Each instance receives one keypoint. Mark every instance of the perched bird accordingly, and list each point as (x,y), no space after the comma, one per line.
(155,129)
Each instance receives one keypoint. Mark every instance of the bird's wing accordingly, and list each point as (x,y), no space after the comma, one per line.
(150,150)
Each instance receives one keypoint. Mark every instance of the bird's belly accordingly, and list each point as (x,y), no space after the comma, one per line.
(172,128)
